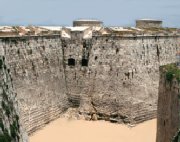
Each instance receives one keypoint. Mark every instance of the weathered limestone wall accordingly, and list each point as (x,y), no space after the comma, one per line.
(168,108)
(10,128)
(38,76)
(106,77)
(121,81)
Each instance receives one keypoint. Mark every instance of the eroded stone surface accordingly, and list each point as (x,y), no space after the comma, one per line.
(108,77)
(168,108)
(10,127)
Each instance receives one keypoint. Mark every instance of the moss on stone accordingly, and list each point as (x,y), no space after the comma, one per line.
(13,131)
(5,137)
(176,137)
(5,97)
(6,108)
(172,71)
(1,125)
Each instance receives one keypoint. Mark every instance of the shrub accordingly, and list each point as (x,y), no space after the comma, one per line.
(172,71)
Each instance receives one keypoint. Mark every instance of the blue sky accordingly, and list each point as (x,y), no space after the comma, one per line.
(112,12)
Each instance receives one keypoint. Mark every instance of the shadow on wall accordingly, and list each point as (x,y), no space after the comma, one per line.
(177,137)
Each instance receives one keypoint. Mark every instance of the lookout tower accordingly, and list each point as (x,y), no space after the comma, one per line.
(86,22)
(148,23)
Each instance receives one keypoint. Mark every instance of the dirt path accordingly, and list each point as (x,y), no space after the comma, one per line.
(63,130)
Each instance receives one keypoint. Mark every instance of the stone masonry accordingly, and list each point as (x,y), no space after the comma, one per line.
(168,107)
(11,129)
(113,74)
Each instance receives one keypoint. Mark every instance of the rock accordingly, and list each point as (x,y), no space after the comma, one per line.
(94,117)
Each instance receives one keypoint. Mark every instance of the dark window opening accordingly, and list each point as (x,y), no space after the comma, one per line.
(158,52)
(84,62)
(127,74)
(71,62)
(96,58)
(117,50)
(84,45)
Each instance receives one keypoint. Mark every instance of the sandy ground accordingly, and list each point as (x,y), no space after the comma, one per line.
(63,130)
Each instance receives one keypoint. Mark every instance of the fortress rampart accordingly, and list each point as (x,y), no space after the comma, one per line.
(102,73)
(168,104)
(10,126)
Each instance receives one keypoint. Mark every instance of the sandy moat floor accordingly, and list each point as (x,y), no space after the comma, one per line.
(63,130)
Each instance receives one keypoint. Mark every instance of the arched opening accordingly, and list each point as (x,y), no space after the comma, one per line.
(71,62)
(84,62)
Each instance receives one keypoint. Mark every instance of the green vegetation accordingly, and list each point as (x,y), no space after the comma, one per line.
(13,131)
(14,127)
(6,108)
(172,71)
(5,97)
(17,117)
(177,137)
(5,137)
(9,131)
(1,125)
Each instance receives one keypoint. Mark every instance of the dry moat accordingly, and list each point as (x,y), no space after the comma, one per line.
(99,131)
(85,72)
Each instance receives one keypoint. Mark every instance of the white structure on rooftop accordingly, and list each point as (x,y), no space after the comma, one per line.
(86,22)
(148,23)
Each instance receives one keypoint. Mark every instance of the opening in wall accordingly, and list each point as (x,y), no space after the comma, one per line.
(84,62)
(71,62)
(117,50)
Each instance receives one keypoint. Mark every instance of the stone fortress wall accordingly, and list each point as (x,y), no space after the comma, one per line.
(106,76)
(10,127)
(38,75)
(168,117)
